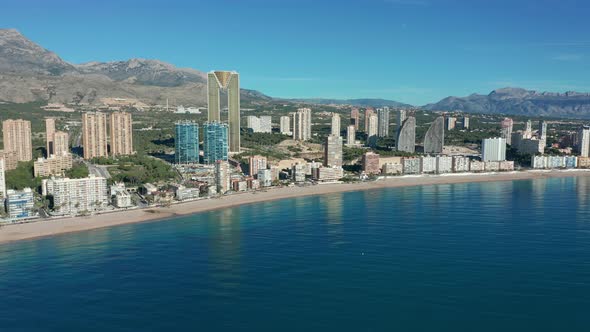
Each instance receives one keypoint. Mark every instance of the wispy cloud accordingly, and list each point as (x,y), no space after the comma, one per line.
(409,2)
(568,57)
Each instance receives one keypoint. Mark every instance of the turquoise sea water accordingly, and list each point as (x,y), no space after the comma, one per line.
(506,256)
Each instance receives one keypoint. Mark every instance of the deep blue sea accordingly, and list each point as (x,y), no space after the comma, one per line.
(505,256)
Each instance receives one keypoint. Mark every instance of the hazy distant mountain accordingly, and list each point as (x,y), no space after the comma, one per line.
(519,102)
(355,102)
(28,72)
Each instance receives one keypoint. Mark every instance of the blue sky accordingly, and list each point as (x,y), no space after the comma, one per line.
(414,51)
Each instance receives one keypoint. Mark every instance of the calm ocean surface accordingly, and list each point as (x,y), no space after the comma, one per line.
(506,256)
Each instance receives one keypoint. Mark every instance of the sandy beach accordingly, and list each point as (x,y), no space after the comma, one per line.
(50,227)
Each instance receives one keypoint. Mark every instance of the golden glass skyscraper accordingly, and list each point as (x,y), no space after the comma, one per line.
(229,81)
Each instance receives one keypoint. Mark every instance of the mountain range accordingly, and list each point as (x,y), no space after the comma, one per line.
(29,72)
(519,102)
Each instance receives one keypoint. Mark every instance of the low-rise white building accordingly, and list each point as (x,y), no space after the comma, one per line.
(72,196)
(444,164)
(460,164)
(428,164)
(327,174)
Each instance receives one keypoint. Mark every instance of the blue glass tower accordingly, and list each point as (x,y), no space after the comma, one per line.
(186,143)
(214,142)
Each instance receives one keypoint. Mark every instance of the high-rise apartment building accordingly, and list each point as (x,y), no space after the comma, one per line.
(61,143)
(435,136)
(372,130)
(121,134)
(543,130)
(507,125)
(215,142)
(229,81)
(72,196)
(528,129)
(383,116)
(355,118)
(583,143)
(261,124)
(333,151)
(222,176)
(256,163)
(401,117)
(351,135)
(94,135)
(406,136)
(186,142)
(451,122)
(285,125)
(335,124)
(17,139)
(49,135)
(466,122)
(368,113)
(493,149)
(2,179)
(302,124)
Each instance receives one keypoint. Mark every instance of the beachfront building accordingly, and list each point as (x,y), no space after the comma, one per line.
(94,135)
(428,164)
(17,139)
(215,142)
(20,203)
(222,176)
(444,164)
(392,169)
(327,174)
(460,164)
(476,166)
(256,163)
(493,149)
(285,125)
(333,151)
(265,177)
(73,196)
(228,81)
(120,197)
(412,165)
(370,163)
(186,143)
(298,171)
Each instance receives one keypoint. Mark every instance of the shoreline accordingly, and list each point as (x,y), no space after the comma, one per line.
(51,227)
